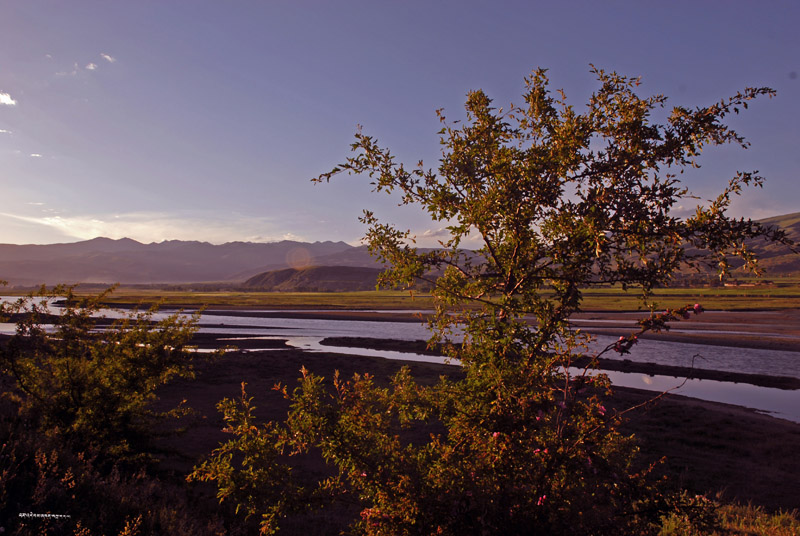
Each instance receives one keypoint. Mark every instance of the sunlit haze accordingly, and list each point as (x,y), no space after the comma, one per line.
(206,120)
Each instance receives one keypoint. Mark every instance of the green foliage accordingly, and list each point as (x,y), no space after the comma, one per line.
(559,202)
(91,386)
(258,481)
(75,422)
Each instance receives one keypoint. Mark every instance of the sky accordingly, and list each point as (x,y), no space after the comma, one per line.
(206,120)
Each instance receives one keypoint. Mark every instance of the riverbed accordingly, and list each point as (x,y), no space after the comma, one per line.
(305,330)
(307,334)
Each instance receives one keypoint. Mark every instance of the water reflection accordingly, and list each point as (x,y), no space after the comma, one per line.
(704,356)
(707,356)
(306,334)
(776,402)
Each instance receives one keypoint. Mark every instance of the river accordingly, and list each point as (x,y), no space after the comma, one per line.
(306,334)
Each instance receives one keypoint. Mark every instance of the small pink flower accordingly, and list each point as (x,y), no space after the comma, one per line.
(541,500)
(363,475)
(495,434)
(698,308)
(601,410)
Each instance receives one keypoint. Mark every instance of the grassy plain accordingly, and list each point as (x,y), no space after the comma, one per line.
(378,300)
(782,294)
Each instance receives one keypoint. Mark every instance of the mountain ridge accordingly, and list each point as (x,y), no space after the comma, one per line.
(105,260)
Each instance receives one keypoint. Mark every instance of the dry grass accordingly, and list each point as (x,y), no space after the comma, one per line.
(741,520)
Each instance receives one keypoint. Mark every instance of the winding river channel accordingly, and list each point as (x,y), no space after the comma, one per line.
(307,333)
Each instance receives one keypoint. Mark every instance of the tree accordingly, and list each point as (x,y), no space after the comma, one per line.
(560,201)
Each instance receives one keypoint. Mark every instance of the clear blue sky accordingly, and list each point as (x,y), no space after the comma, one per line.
(205,120)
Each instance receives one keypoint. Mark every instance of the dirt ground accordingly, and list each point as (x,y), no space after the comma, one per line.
(710,448)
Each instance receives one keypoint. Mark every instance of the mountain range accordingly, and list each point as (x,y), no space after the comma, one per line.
(285,265)
(103,260)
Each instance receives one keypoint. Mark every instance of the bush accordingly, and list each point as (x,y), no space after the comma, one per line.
(76,430)
(80,495)
(88,386)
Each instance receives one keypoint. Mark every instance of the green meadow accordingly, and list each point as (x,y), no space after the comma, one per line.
(781,294)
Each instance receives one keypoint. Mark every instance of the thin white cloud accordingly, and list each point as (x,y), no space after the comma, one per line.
(4,131)
(433,238)
(108,58)
(151,227)
(91,66)
(437,233)
(35,203)
(6,99)
(48,56)
(35,155)
(73,72)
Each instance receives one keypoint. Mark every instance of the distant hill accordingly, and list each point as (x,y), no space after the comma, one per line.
(103,260)
(355,256)
(774,259)
(777,259)
(316,279)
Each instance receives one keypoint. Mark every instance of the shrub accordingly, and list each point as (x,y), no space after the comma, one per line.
(76,428)
(93,386)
